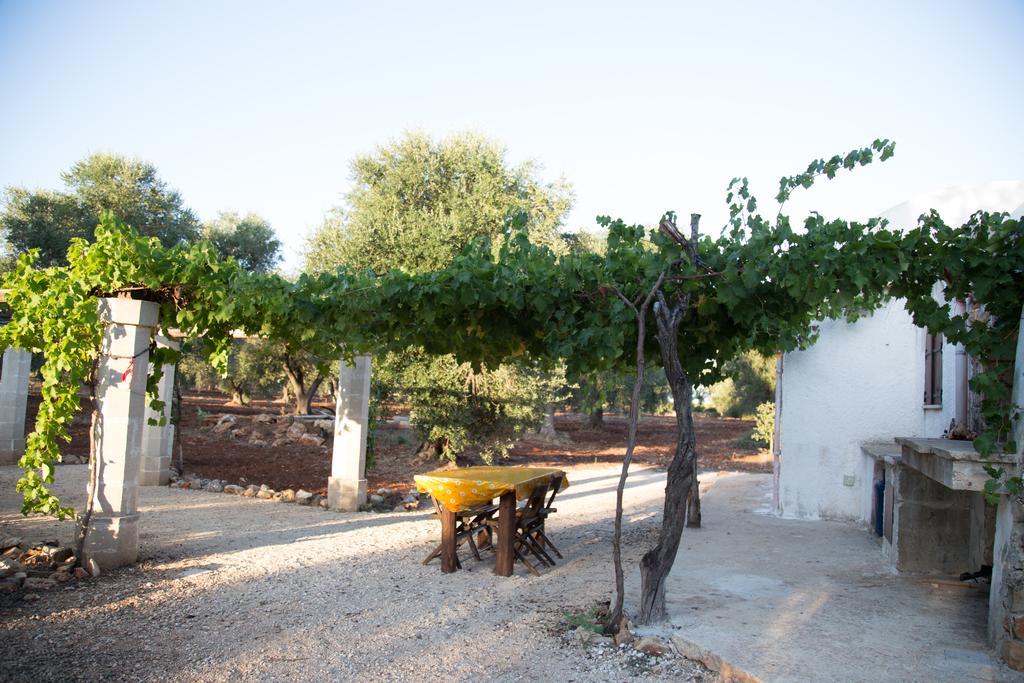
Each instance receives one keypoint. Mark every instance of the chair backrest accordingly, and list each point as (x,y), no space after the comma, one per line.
(554,487)
(534,504)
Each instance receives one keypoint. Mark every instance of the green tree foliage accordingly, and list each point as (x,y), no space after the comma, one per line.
(415,204)
(49,220)
(248,239)
(749,382)
(417,201)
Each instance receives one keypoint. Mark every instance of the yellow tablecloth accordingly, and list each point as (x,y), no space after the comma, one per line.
(469,487)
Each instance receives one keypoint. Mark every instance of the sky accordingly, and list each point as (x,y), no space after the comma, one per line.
(642,106)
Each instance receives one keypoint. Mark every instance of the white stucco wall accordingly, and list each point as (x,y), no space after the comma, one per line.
(864,382)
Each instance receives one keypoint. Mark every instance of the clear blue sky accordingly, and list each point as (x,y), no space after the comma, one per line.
(643,107)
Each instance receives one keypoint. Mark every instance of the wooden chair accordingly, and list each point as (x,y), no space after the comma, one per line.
(528,519)
(468,524)
(538,532)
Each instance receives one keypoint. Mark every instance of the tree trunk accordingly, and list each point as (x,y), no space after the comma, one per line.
(238,397)
(656,564)
(693,505)
(615,613)
(307,401)
(596,420)
(430,450)
(547,430)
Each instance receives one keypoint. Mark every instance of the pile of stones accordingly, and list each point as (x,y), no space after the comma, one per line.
(381,501)
(272,431)
(31,568)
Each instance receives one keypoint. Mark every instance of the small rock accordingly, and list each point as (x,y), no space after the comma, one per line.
(385,492)
(259,443)
(251,490)
(59,555)
(411,505)
(8,567)
(225,423)
(322,502)
(93,567)
(265,493)
(81,573)
(288,496)
(214,486)
(303,497)
(30,597)
(311,440)
(326,425)
(36,583)
(601,640)
(279,442)
(652,645)
(623,637)
(176,484)
(376,499)
(239,433)
(9,542)
(60,577)
(234,489)
(583,635)
(295,431)
(8,586)
(263,418)
(399,508)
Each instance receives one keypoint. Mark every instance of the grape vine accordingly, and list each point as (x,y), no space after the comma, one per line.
(760,284)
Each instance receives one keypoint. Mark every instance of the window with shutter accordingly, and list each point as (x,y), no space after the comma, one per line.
(933,370)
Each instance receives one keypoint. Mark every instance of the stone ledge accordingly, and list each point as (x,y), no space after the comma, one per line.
(954,464)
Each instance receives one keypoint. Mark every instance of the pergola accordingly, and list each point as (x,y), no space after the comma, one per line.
(130,452)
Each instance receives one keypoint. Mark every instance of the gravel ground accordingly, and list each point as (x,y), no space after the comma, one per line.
(230,588)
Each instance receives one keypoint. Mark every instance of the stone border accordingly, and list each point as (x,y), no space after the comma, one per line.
(729,672)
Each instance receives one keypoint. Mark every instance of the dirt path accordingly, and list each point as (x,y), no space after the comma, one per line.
(241,589)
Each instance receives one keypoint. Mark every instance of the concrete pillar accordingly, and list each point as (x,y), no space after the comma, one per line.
(346,487)
(13,401)
(158,441)
(113,535)
(931,525)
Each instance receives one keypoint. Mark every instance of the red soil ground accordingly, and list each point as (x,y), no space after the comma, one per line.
(220,456)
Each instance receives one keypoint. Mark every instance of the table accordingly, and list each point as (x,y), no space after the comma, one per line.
(466,488)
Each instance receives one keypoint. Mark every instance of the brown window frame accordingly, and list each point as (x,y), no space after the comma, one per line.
(933,344)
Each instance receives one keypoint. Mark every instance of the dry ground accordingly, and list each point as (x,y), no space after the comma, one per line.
(219,456)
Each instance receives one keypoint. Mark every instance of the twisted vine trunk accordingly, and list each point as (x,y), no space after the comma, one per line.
(681,492)
(640,309)
(657,563)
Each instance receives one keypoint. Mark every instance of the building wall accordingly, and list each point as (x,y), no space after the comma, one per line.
(861,382)
(864,382)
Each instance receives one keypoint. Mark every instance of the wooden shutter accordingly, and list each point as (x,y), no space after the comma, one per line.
(933,369)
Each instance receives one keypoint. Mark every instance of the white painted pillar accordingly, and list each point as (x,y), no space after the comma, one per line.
(113,535)
(13,401)
(346,487)
(158,441)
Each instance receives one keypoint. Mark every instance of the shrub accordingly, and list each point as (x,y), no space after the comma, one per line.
(764,427)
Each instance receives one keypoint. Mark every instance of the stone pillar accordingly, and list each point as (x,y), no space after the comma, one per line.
(346,487)
(113,535)
(13,400)
(1006,596)
(158,441)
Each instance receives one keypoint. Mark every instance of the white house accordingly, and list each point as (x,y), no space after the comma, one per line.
(860,421)
(864,383)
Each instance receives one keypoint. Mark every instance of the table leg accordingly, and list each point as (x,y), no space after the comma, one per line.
(506,533)
(448,559)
